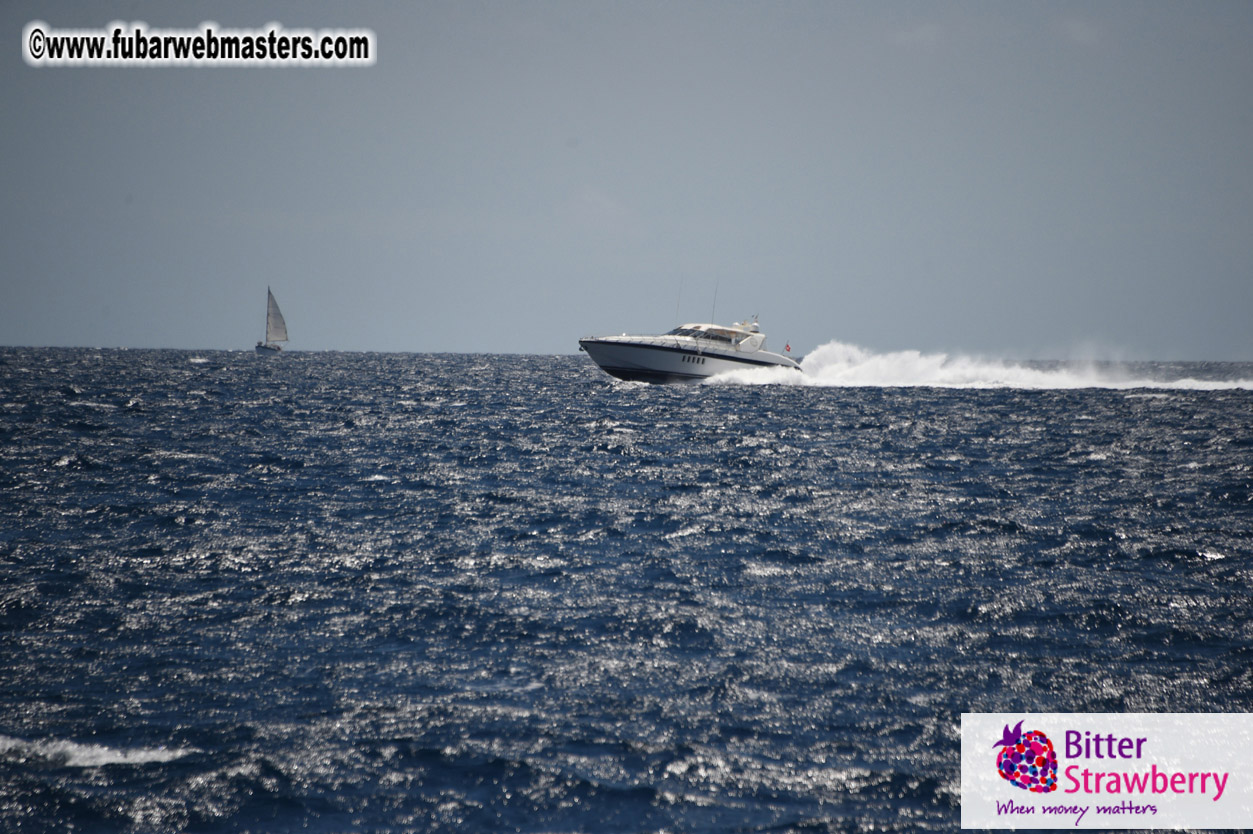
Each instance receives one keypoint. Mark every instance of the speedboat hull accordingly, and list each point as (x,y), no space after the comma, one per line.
(658,360)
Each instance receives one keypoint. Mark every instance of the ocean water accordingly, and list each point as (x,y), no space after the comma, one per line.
(356,592)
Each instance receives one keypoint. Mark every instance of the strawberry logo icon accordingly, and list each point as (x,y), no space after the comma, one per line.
(1027,760)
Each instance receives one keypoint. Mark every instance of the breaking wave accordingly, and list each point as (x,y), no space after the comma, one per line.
(73,754)
(837,364)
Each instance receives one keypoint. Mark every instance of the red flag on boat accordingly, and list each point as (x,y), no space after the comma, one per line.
(788,347)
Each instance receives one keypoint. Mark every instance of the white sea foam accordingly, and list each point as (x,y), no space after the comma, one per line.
(837,364)
(73,754)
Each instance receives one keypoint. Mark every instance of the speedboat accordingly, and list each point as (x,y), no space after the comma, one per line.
(688,353)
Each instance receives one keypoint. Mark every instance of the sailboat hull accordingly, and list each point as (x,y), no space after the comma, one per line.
(268,350)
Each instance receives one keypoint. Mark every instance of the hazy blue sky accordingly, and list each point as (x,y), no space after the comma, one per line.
(1006,178)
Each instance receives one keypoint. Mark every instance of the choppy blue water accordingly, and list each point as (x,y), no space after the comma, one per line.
(331,592)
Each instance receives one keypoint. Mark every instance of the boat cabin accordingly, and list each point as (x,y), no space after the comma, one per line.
(745,335)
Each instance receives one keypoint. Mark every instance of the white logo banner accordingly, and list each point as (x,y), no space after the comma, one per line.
(1106,770)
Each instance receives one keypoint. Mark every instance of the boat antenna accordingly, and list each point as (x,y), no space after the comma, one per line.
(677,299)
(713,313)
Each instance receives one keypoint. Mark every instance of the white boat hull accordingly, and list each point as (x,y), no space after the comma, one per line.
(652,360)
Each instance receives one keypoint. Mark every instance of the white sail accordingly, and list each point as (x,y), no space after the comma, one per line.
(275,327)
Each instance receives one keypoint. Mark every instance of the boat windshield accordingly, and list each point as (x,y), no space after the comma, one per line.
(712,335)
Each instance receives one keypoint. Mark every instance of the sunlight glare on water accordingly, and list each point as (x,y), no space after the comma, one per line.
(496,593)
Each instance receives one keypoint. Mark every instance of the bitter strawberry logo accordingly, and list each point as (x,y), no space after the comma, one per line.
(1027,760)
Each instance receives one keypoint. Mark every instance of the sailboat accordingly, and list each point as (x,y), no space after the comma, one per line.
(275,327)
